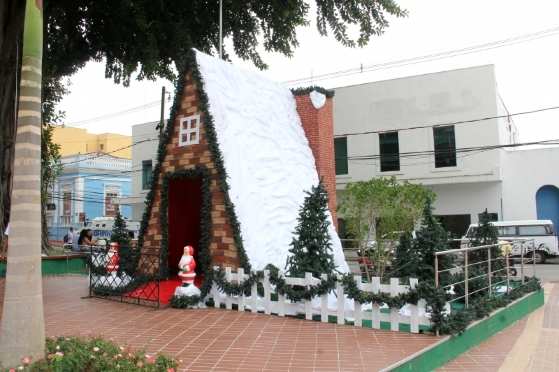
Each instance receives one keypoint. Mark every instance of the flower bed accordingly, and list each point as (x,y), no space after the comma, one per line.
(75,354)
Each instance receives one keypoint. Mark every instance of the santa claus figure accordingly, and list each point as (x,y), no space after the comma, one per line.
(187,266)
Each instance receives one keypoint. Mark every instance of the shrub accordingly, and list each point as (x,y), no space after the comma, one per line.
(76,354)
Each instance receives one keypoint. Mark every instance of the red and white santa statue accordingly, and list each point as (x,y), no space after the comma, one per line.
(187,265)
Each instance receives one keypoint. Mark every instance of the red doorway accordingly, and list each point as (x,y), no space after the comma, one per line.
(184,205)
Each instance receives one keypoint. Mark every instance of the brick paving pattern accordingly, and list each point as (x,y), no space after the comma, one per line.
(221,340)
(490,355)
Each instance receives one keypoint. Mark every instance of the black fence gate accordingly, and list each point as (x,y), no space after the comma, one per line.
(124,275)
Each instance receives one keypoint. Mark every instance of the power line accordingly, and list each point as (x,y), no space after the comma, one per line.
(469,121)
(430,57)
(415,154)
(110,152)
(117,113)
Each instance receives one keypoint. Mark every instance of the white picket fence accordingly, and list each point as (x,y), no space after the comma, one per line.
(414,315)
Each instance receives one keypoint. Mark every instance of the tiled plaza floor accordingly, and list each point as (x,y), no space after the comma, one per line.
(222,340)
(531,344)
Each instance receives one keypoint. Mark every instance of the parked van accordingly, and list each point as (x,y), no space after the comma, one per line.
(102,228)
(541,231)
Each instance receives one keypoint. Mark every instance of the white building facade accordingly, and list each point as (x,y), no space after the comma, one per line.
(144,157)
(435,130)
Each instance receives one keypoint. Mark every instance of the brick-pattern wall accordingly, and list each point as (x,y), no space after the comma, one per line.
(222,245)
(319,129)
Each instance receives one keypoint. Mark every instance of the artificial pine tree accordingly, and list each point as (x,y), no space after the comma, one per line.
(311,248)
(406,260)
(485,234)
(120,235)
(431,238)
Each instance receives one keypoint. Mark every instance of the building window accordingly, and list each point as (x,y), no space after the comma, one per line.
(147,174)
(101,147)
(66,207)
(340,153)
(189,130)
(111,205)
(445,146)
(389,152)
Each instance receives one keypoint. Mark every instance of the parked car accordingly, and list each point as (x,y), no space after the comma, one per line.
(542,232)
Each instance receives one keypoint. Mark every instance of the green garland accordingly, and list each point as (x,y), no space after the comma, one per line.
(184,302)
(306,90)
(436,298)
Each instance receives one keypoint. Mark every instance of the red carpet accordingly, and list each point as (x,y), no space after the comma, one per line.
(166,290)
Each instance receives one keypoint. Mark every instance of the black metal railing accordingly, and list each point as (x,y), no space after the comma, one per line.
(126,275)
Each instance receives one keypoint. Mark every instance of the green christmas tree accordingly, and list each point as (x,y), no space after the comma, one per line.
(120,235)
(406,260)
(311,248)
(485,234)
(431,238)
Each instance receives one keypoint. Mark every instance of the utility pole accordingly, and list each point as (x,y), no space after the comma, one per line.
(220,29)
(161,124)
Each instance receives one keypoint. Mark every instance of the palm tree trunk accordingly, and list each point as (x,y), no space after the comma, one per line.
(22,330)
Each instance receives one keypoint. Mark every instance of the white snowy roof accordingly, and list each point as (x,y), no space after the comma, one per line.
(266,155)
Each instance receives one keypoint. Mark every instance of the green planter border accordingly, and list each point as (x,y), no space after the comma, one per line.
(57,265)
(451,347)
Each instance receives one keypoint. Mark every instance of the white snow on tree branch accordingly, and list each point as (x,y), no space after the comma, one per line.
(267,158)
(318,99)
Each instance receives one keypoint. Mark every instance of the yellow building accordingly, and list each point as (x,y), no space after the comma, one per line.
(78,141)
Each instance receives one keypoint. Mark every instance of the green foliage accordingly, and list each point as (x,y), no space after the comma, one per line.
(184,302)
(430,238)
(406,258)
(120,235)
(75,354)
(303,91)
(377,209)
(483,306)
(311,247)
(120,232)
(51,168)
(485,234)
(153,38)
(381,206)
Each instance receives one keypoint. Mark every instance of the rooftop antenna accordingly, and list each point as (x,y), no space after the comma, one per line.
(220,29)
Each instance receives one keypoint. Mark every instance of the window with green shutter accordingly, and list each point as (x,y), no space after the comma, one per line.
(389,152)
(445,146)
(147,173)
(340,153)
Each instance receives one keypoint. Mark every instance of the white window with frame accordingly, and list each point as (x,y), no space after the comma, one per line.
(111,205)
(189,130)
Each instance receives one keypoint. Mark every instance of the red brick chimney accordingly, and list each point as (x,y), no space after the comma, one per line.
(318,123)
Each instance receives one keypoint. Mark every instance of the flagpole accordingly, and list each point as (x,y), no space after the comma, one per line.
(220,29)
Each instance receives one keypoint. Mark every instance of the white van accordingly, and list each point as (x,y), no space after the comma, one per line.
(541,231)
(102,228)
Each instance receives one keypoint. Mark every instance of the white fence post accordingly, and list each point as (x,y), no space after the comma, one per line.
(324,303)
(308,303)
(228,299)
(414,312)
(240,279)
(394,312)
(215,291)
(415,320)
(357,315)
(341,300)
(254,297)
(267,293)
(375,281)
(281,300)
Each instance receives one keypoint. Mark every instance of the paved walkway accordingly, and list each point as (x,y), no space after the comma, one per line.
(531,344)
(222,340)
